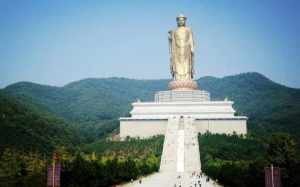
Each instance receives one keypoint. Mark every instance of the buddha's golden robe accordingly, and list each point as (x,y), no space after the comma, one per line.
(182,53)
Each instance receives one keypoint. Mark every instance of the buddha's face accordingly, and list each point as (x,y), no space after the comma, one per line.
(181,22)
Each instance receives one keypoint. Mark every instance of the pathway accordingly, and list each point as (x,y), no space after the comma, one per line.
(180,163)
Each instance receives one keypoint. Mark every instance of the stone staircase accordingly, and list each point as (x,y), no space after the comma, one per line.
(169,156)
(180,162)
(181,149)
(191,147)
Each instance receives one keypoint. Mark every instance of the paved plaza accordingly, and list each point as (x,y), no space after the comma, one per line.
(169,179)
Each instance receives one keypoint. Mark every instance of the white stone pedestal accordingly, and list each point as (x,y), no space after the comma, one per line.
(151,118)
(182,96)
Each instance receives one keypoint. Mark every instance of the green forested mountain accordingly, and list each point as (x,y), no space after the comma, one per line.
(88,100)
(97,103)
(92,105)
(37,119)
(22,128)
(270,106)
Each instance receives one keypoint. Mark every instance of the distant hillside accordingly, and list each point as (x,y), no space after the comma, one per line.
(97,103)
(269,106)
(23,129)
(88,100)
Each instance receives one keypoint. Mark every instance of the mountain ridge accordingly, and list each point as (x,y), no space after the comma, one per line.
(96,102)
(207,77)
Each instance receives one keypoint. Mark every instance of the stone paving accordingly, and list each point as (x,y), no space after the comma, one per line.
(180,163)
(168,179)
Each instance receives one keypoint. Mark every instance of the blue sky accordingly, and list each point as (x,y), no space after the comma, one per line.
(56,42)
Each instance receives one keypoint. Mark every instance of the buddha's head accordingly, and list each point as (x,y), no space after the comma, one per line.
(181,19)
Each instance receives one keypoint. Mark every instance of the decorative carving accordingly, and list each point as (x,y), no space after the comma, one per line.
(182,85)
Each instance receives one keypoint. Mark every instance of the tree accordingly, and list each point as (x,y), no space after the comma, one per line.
(281,150)
(9,165)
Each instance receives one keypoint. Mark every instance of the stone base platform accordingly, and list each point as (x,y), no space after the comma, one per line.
(146,128)
(182,85)
(182,96)
(151,118)
(205,109)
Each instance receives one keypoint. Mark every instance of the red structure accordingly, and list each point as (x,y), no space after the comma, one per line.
(53,172)
(272,177)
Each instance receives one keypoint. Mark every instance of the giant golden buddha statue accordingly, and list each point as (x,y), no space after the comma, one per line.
(181,47)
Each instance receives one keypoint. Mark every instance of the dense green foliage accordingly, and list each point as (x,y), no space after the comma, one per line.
(239,162)
(100,172)
(111,162)
(95,104)
(24,129)
(22,169)
(137,148)
(91,105)
(104,168)
(28,137)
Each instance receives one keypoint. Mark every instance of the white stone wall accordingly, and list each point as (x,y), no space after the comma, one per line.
(220,126)
(142,128)
(147,128)
(150,118)
(209,109)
